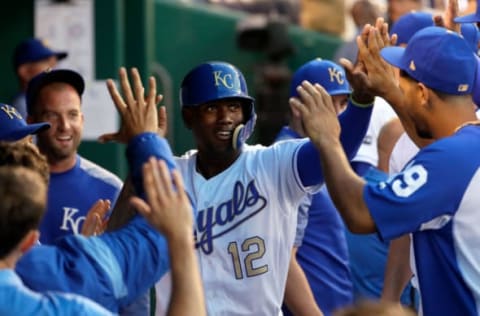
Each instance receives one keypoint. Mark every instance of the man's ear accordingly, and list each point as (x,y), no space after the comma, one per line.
(425,94)
(23,72)
(29,240)
(187,115)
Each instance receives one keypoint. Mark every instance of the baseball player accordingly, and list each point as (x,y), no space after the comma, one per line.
(320,247)
(246,196)
(106,268)
(442,217)
(55,97)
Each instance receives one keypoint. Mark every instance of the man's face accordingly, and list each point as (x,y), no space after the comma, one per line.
(340,102)
(213,124)
(59,104)
(415,106)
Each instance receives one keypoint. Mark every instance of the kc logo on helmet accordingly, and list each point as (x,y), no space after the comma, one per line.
(225,80)
(335,75)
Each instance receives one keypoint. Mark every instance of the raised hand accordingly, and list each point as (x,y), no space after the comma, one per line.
(317,112)
(447,20)
(137,111)
(96,221)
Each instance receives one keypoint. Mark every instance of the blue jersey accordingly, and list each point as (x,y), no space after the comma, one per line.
(436,199)
(323,253)
(17,299)
(71,194)
(115,268)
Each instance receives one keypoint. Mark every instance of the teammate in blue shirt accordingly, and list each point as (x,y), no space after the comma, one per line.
(435,196)
(54,96)
(115,268)
(320,246)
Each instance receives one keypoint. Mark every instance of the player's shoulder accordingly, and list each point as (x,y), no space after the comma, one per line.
(99,173)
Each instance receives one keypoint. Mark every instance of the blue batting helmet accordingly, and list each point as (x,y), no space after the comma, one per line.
(213,81)
(326,73)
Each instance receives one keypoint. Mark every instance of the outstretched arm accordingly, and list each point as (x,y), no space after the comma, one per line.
(298,294)
(170,212)
(322,126)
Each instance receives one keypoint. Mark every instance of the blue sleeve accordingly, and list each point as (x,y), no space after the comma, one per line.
(417,198)
(140,149)
(354,123)
(112,269)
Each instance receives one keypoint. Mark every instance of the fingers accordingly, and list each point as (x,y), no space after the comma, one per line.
(105,138)
(326,98)
(94,220)
(138,88)
(347,65)
(115,95)
(125,85)
(162,121)
(141,206)
(152,97)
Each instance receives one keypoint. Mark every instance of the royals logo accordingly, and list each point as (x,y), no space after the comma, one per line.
(244,204)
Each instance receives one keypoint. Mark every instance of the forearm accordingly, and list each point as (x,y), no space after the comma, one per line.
(187,290)
(344,186)
(298,295)
(397,269)
(354,124)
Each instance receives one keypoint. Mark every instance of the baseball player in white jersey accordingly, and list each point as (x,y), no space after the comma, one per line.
(245,196)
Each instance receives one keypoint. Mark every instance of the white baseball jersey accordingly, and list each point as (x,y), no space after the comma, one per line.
(382,113)
(245,228)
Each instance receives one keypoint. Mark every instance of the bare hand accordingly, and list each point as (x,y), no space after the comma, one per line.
(316,109)
(138,113)
(96,220)
(168,209)
(447,20)
(376,77)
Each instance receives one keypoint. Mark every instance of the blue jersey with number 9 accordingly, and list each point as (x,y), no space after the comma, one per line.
(437,198)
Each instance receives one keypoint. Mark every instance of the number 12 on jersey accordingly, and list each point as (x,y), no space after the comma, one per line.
(254,247)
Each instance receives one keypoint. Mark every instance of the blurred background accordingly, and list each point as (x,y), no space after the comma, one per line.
(266,39)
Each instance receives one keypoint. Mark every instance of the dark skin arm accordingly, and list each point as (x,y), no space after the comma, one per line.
(298,294)
(123,210)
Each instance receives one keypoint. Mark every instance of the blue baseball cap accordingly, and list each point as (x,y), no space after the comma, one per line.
(13,127)
(50,76)
(326,73)
(437,57)
(409,24)
(34,49)
(471,34)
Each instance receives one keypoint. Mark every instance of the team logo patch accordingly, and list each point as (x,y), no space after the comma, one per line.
(462,88)
(412,66)
(336,75)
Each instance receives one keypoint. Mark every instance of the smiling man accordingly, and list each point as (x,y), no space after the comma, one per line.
(55,97)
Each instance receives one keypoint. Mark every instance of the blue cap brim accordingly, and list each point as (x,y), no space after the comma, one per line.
(24,131)
(393,56)
(470,18)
